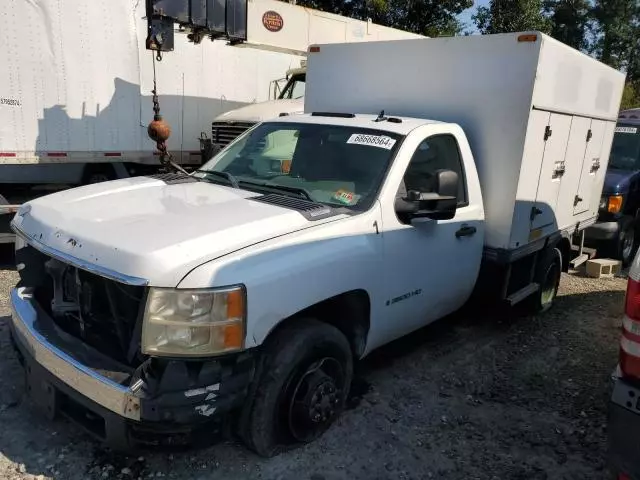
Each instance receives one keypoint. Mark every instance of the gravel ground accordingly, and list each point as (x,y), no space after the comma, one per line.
(472,397)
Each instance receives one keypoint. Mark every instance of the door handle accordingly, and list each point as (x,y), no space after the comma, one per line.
(466,231)
(534,213)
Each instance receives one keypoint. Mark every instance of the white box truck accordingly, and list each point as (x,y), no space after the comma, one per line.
(154,308)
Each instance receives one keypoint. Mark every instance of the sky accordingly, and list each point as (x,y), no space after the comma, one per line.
(466,15)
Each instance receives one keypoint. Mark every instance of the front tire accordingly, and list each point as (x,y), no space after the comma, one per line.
(302,387)
(624,246)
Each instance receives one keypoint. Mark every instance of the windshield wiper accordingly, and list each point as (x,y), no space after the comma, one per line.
(300,192)
(230,178)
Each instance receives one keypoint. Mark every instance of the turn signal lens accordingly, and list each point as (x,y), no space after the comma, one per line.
(615,204)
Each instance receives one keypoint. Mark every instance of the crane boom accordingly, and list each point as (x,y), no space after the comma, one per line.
(224,19)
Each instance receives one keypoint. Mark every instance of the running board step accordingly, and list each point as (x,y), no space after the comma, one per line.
(523,293)
(579,260)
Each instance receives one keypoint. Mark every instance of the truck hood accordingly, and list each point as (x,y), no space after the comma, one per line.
(147,229)
(618,181)
(259,112)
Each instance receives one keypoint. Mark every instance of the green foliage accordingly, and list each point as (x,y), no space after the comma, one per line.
(511,16)
(570,21)
(617,22)
(630,97)
(427,17)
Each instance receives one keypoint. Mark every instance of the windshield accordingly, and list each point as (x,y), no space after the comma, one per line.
(625,151)
(335,165)
(295,88)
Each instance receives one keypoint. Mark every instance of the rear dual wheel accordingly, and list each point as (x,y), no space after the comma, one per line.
(548,274)
(302,388)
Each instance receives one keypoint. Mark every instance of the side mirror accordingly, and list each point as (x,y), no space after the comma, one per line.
(438,205)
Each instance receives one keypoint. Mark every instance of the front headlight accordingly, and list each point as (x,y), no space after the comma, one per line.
(194,322)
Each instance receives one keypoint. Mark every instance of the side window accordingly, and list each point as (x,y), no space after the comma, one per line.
(298,89)
(435,153)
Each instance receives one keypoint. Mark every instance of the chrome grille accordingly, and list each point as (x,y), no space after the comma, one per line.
(224,133)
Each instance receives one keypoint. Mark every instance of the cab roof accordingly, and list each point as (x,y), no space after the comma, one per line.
(403,127)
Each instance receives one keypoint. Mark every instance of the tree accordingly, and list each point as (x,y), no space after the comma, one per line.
(630,97)
(426,17)
(617,35)
(570,21)
(503,16)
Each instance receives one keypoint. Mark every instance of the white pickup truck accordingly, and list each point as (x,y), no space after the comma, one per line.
(150,309)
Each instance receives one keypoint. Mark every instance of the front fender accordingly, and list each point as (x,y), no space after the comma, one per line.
(288,274)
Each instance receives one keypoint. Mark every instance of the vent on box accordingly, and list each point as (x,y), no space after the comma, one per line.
(311,210)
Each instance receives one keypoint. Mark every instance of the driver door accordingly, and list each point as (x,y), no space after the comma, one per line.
(430,265)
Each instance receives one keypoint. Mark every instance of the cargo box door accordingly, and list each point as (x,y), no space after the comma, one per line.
(555,138)
(573,162)
(590,166)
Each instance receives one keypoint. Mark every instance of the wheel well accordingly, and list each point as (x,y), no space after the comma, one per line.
(564,245)
(90,169)
(349,312)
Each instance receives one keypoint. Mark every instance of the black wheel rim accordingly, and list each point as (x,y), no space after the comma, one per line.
(550,284)
(313,399)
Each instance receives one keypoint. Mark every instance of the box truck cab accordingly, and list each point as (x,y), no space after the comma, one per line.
(229,125)
(162,307)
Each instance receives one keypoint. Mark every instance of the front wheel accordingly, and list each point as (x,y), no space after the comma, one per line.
(625,245)
(302,388)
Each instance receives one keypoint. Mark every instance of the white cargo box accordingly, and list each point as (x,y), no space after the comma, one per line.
(539,115)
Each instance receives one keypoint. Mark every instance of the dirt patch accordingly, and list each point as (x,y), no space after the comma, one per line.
(474,397)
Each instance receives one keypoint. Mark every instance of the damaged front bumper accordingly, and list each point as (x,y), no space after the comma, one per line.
(161,402)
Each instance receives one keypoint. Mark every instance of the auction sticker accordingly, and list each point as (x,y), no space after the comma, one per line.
(626,130)
(380,141)
(345,197)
